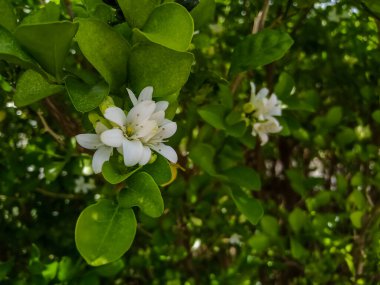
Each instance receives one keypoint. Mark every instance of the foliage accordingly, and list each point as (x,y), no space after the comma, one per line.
(301,209)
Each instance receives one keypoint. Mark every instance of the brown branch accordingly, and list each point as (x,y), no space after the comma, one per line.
(47,128)
(58,195)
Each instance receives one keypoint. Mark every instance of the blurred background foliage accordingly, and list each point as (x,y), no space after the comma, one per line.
(319,178)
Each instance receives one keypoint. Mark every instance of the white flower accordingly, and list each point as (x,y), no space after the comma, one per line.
(264,128)
(92,141)
(235,239)
(82,187)
(142,129)
(264,107)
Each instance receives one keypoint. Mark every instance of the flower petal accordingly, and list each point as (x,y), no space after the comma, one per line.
(146,94)
(168,130)
(132,96)
(141,112)
(100,127)
(161,106)
(116,115)
(89,141)
(158,116)
(132,152)
(112,137)
(166,151)
(100,156)
(145,129)
(147,153)
(262,93)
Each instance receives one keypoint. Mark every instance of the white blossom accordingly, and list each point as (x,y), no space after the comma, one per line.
(92,141)
(264,128)
(81,186)
(264,107)
(143,129)
(235,239)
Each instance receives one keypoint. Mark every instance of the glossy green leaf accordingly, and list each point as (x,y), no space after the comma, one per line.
(376,116)
(244,177)
(110,269)
(260,49)
(297,250)
(203,13)
(53,169)
(334,116)
(105,49)
(164,69)
(49,13)
(284,85)
(356,219)
(11,50)
(32,87)
(159,170)
(269,226)
(248,206)
(137,12)
(104,232)
(8,17)
(85,97)
(66,269)
(48,43)
(213,115)
(203,156)
(113,175)
(143,192)
(297,219)
(169,25)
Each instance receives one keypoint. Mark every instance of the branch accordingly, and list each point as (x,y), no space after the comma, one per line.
(47,129)
(58,195)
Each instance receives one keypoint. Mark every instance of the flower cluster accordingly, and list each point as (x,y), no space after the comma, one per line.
(134,135)
(264,111)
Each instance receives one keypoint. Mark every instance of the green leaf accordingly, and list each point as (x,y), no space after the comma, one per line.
(11,50)
(284,85)
(113,175)
(66,269)
(49,13)
(137,12)
(297,250)
(269,226)
(203,13)
(248,206)
(164,69)
(53,169)
(50,271)
(85,97)
(169,25)
(297,219)
(110,269)
(259,49)
(356,219)
(8,17)
(334,116)
(213,115)
(105,49)
(32,86)
(203,156)
(244,177)
(5,268)
(376,116)
(104,232)
(159,170)
(143,192)
(48,43)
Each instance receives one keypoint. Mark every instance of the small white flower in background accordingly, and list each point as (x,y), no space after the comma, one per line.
(135,134)
(235,239)
(264,111)
(264,107)
(262,129)
(82,187)
(92,141)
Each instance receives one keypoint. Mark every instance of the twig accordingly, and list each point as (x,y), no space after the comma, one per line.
(58,195)
(47,129)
